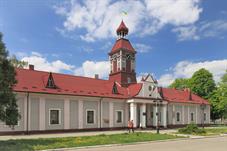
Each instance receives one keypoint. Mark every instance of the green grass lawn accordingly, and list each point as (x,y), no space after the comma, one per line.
(208,131)
(216,130)
(52,143)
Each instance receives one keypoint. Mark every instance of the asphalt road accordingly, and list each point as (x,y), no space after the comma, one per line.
(204,144)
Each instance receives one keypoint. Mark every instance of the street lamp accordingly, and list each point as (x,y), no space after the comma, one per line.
(158,103)
(203,106)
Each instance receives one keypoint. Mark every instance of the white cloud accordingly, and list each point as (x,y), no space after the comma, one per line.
(175,12)
(185,69)
(142,48)
(101,18)
(187,33)
(41,63)
(90,68)
(166,79)
(216,28)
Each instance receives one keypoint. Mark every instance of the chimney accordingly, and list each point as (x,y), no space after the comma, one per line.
(31,67)
(96,76)
(189,92)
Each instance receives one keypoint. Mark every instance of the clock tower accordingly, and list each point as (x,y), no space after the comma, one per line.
(122,59)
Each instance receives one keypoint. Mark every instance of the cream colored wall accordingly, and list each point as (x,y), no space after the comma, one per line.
(185,111)
(40,104)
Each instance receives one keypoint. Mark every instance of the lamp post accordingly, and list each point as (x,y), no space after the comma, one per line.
(203,106)
(157,103)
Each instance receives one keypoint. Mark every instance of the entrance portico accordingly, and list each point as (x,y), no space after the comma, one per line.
(148,112)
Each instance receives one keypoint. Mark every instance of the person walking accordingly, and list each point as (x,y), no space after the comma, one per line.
(129,126)
(132,126)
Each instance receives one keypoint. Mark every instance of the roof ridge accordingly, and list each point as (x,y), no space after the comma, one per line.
(64,74)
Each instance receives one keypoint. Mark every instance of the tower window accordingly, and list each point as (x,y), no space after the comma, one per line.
(129,80)
(128,56)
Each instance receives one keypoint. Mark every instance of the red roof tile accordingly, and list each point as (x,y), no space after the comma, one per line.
(180,96)
(35,81)
(122,44)
(122,27)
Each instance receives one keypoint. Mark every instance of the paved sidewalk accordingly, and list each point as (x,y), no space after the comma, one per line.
(206,144)
(74,134)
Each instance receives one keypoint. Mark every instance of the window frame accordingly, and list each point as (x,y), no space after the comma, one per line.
(116,115)
(94,115)
(59,117)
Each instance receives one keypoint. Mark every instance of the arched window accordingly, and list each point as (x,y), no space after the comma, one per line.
(192,117)
(178,117)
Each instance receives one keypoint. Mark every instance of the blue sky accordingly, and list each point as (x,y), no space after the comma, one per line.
(173,38)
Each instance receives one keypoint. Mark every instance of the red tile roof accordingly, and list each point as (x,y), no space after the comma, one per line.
(35,81)
(122,27)
(122,44)
(180,96)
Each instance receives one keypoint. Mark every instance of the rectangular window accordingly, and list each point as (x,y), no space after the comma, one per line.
(90,116)
(192,117)
(205,117)
(54,116)
(178,117)
(119,116)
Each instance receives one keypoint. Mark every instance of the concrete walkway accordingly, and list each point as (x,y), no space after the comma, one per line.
(75,134)
(206,144)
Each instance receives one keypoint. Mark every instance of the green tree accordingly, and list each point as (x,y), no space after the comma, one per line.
(180,84)
(202,83)
(218,100)
(8,107)
(224,78)
(17,63)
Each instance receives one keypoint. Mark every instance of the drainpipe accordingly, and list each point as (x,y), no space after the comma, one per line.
(27,131)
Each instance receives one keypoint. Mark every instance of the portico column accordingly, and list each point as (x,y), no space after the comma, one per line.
(164,114)
(133,113)
(143,115)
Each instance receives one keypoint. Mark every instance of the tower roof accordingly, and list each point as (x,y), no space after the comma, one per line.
(122,28)
(122,44)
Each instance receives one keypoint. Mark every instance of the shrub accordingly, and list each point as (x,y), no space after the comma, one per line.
(191,129)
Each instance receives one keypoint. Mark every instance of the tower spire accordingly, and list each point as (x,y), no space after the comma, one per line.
(122,30)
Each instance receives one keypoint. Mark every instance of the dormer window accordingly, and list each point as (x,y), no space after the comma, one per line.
(114,90)
(50,82)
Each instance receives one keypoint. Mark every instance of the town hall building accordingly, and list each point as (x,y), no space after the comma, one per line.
(55,102)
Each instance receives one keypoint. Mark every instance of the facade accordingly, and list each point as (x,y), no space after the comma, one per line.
(50,102)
